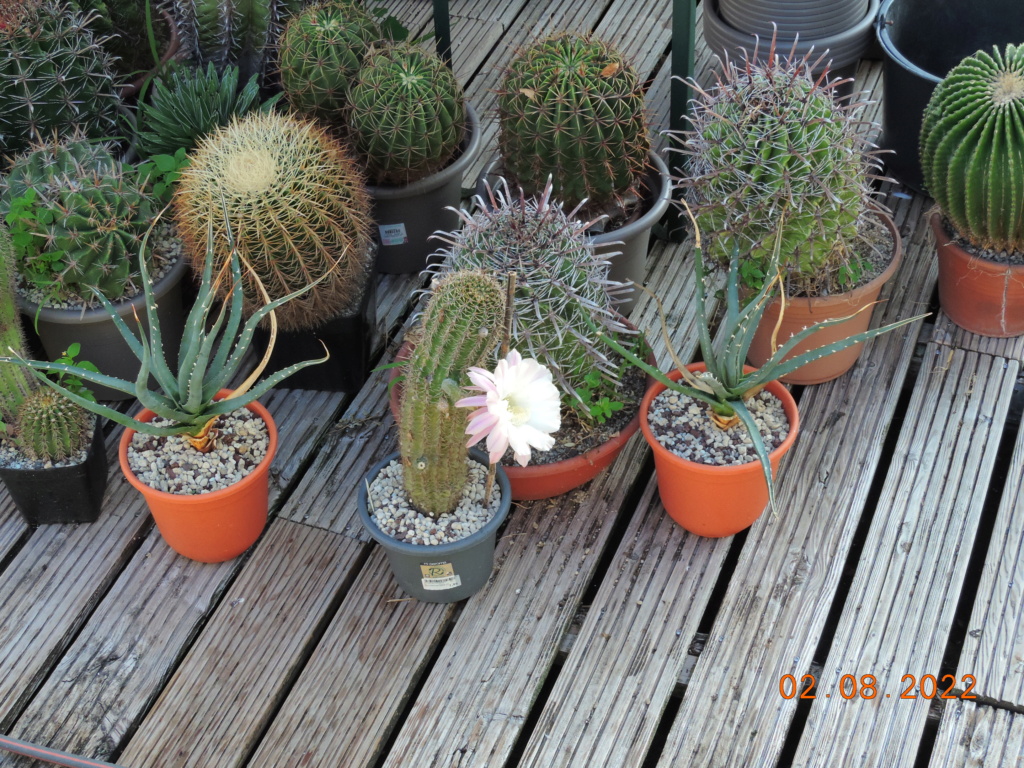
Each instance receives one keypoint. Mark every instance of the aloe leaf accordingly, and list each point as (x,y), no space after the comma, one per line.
(130,338)
(747,418)
(707,346)
(194,325)
(227,337)
(90,376)
(234,403)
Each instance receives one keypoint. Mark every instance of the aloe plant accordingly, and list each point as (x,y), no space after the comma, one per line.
(727,385)
(212,350)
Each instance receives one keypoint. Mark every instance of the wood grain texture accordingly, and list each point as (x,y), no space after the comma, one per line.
(950,334)
(899,611)
(973,735)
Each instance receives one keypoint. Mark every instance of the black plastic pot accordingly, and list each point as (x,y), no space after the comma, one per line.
(921,41)
(61,495)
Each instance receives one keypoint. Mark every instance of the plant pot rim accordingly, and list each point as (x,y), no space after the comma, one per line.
(775,387)
(97,428)
(186,500)
(943,238)
(889,45)
(472,141)
(81,316)
(448,548)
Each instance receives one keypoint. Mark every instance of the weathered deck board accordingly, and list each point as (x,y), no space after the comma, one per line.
(899,611)
(973,735)
(950,334)
(993,649)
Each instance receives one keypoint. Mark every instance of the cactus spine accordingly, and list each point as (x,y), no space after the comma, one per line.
(972,148)
(461,326)
(297,209)
(407,115)
(50,427)
(15,381)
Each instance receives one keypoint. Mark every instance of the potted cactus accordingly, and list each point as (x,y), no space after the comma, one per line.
(776,162)
(296,203)
(77,216)
(52,457)
(971,148)
(572,106)
(203,468)
(408,122)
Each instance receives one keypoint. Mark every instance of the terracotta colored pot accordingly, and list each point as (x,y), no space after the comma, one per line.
(709,500)
(216,526)
(802,312)
(980,296)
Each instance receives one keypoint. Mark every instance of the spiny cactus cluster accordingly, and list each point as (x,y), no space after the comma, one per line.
(561,284)
(50,427)
(15,382)
(406,115)
(462,325)
(85,223)
(972,148)
(573,106)
(296,203)
(321,49)
(773,157)
(54,76)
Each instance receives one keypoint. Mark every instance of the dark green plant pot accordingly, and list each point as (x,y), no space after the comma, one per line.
(444,573)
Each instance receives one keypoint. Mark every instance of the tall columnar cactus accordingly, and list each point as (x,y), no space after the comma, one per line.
(320,51)
(407,114)
(775,160)
(972,148)
(15,382)
(50,427)
(298,209)
(573,106)
(462,324)
(54,75)
(561,283)
(85,223)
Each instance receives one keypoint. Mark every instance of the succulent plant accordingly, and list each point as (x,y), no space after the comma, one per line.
(77,216)
(462,325)
(972,148)
(561,284)
(190,103)
(50,427)
(572,106)
(15,383)
(296,203)
(771,151)
(407,114)
(54,76)
(320,51)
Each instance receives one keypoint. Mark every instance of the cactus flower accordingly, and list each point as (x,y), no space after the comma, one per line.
(519,407)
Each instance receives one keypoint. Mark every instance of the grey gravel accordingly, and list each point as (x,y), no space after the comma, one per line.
(391,510)
(170,464)
(12,458)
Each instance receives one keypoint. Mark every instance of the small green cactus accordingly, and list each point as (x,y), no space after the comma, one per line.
(321,49)
(77,216)
(15,383)
(572,106)
(296,203)
(972,148)
(50,427)
(407,114)
(54,76)
(462,325)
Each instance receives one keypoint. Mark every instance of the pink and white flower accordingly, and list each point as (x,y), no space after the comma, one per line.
(519,407)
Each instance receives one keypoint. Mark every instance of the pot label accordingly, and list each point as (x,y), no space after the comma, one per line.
(392,234)
(439,576)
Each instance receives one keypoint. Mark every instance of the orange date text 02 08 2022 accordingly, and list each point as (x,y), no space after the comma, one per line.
(866,687)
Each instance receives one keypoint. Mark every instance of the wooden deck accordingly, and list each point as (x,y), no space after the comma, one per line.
(607,635)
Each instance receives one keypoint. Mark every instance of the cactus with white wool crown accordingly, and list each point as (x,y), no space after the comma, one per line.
(972,148)
(462,325)
(407,114)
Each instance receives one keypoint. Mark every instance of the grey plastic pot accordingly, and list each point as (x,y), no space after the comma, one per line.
(444,573)
(101,342)
(407,216)
(808,18)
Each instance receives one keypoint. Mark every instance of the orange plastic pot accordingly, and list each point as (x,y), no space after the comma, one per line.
(806,311)
(980,296)
(216,526)
(714,501)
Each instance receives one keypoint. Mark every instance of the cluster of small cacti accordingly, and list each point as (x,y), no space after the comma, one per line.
(406,114)
(321,49)
(190,103)
(54,75)
(561,284)
(86,220)
(972,148)
(462,325)
(776,162)
(296,204)
(572,106)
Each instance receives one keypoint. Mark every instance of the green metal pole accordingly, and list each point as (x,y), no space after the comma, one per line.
(684,19)
(443,30)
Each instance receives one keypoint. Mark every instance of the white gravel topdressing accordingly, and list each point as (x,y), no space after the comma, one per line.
(394,515)
(12,458)
(170,464)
